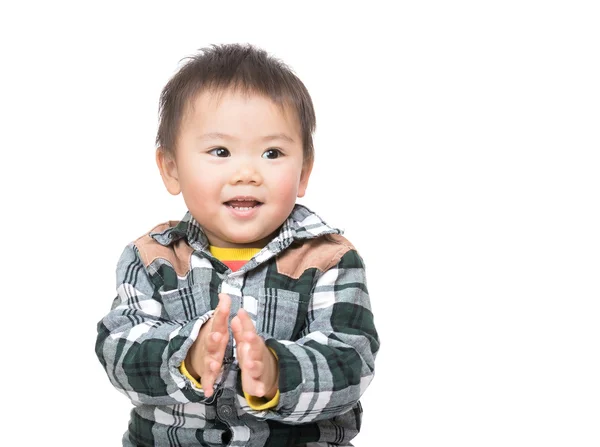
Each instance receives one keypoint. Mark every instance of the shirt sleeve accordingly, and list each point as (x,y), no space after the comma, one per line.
(139,347)
(324,373)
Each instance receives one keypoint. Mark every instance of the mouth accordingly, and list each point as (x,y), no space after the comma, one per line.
(243,203)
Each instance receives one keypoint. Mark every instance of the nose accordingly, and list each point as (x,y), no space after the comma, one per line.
(246,173)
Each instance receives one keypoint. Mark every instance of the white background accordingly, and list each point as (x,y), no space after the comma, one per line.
(457,145)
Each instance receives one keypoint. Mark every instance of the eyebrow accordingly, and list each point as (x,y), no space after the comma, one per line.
(222,136)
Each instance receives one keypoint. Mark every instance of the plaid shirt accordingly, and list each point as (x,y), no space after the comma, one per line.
(306,294)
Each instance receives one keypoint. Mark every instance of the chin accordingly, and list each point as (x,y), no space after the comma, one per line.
(250,241)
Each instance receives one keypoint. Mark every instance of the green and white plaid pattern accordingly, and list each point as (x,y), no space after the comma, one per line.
(319,323)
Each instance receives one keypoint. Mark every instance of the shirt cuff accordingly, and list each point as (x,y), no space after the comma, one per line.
(260,403)
(183,370)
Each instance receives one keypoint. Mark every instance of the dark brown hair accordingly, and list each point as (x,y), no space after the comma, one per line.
(244,68)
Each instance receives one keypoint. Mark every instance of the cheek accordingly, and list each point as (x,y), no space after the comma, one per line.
(284,184)
(201,183)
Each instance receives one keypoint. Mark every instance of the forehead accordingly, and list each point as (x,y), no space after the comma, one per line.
(232,110)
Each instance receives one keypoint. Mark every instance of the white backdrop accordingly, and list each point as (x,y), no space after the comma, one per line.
(457,145)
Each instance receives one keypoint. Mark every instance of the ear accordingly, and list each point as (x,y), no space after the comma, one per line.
(168,170)
(304,176)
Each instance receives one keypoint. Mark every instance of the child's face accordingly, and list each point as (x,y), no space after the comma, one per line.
(239,166)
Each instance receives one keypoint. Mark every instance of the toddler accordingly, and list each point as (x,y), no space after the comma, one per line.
(248,322)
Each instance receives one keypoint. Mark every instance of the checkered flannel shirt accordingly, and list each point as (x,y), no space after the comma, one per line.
(306,294)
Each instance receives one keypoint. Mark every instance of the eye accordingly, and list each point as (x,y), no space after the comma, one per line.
(219,152)
(272,154)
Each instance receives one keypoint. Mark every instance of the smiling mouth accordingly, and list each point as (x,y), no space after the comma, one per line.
(243,204)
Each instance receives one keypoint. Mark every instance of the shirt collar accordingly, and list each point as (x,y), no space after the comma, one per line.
(301,224)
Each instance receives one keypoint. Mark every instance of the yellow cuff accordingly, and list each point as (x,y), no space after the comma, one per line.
(261,403)
(186,373)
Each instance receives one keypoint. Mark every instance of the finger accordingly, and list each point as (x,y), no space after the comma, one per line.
(207,382)
(252,338)
(256,344)
(224,301)
(247,324)
(241,354)
(247,355)
(236,328)
(213,365)
(253,364)
(216,337)
(213,343)
(255,368)
(253,387)
(222,345)
(221,315)
(216,352)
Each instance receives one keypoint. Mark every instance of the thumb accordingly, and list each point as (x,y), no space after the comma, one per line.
(236,328)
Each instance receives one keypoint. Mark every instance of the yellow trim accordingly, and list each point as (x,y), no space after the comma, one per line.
(233,254)
(186,373)
(274,354)
(260,403)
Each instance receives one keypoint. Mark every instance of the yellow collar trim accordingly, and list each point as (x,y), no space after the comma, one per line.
(233,254)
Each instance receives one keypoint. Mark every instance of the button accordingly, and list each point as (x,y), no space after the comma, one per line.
(225,411)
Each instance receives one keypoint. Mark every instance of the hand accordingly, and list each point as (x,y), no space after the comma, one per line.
(260,372)
(205,357)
